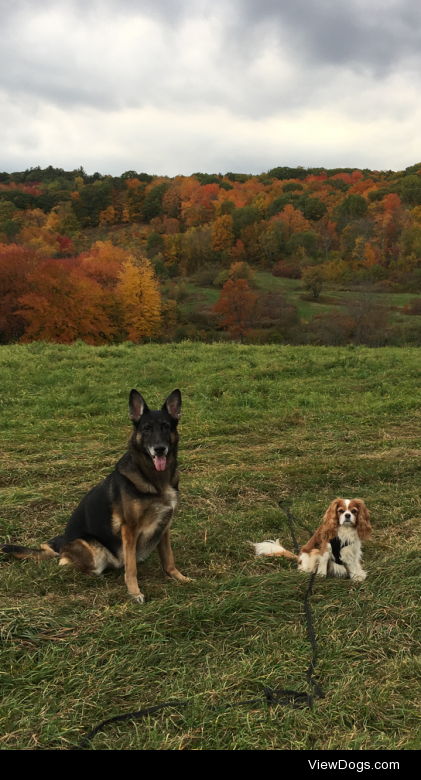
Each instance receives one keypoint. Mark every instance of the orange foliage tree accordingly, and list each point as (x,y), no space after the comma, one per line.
(103,262)
(222,233)
(197,206)
(64,305)
(389,221)
(293,220)
(370,256)
(235,307)
(238,252)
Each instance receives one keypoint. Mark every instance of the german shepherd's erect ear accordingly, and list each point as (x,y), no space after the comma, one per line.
(173,404)
(137,406)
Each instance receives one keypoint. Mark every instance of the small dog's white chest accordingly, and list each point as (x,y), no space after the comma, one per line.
(350,551)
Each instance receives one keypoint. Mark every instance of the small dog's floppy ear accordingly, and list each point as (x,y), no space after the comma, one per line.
(173,404)
(137,406)
(363,522)
(330,521)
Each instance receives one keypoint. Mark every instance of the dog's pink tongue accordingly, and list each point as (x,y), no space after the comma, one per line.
(160,462)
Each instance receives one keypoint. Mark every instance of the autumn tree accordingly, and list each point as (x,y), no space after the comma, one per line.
(171,201)
(134,198)
(222,233)
(199,207)
(327,235)
(235,307)
(15,263)
(312,279)
(389,218)
(64,305)
(138,295)
(269,246)
(239,269)
(370,256)
(103,263)
(293,221)
(195,249)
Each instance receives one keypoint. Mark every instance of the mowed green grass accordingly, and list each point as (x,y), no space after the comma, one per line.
(259,424)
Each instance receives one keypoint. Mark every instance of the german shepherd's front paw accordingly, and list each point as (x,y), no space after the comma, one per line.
(177,575)
(140,598)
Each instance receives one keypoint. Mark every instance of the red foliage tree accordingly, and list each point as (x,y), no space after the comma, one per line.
(235,307)
(63,304)
(15,263)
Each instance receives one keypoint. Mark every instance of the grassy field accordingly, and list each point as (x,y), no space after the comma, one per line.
(259,424)
(335,298)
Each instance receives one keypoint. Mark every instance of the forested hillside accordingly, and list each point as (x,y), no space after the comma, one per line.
(108,259)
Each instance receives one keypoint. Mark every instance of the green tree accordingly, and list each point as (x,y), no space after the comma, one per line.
(312,280)
(155,244)
(7,225)
(243,217)
(352,207)
(314,209)
(278,205)
(292,186)
(307,240)
(152,205)
(91,200)
(410,190)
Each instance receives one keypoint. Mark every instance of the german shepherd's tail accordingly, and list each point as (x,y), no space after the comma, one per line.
(272,548)
(47,551)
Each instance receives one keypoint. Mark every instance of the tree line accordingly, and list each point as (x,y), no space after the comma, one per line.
(90,256)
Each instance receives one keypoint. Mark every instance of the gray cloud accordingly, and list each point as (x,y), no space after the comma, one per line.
(347,32)
(250,64)
(133,52)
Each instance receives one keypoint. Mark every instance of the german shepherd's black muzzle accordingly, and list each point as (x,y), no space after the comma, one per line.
(155,430)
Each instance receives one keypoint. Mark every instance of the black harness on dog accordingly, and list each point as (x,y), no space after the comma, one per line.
(336,549)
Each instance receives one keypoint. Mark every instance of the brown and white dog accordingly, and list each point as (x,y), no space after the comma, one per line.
(335,549)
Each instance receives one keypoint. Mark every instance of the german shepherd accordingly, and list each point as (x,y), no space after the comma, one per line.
(121,520)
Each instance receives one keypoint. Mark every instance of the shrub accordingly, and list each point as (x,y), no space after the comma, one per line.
(206,275)
(413,307)
(273,310)
(331,329)
(286,270)
(370,320)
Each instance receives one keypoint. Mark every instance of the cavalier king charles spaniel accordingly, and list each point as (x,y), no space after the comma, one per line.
(335,549)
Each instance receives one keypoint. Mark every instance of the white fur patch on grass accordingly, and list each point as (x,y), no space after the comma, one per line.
(269,547)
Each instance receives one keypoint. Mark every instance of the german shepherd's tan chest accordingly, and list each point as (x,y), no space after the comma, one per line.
(155,520)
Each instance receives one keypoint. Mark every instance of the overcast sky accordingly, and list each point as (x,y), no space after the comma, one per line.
(178,86)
